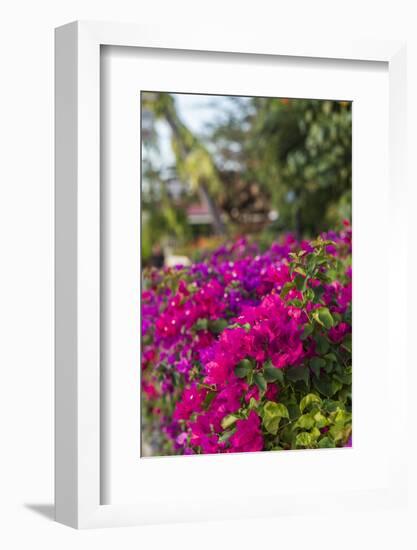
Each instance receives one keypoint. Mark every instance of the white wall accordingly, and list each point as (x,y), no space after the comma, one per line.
(26,263)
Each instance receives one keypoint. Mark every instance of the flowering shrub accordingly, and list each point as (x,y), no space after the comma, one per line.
(248,351)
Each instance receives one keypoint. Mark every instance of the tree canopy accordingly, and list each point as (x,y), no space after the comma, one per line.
(266,165)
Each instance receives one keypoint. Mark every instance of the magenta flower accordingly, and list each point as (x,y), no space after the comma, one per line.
(248,435)
(212,331)
(337,333)
(149,390)
(191,402)
(216,373)
(252,392)
(271,393)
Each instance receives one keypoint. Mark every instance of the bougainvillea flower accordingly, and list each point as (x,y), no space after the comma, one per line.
(248,435)
(190,402)
(337,333)
(221,337)
(216,372)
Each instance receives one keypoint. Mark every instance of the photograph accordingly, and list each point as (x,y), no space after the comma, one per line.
(246,274)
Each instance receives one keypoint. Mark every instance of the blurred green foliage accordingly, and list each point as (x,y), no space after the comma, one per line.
(293,155)
(299,151)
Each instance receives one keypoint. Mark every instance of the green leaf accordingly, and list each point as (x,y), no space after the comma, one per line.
(249,378)
(300,270)
(273,374)
(320,420)
(218,325)
(324,317)
(272,424)
(309,295)
(245,326)
(253,403)
(201,324)
(259,381)
(315,433)
(272,414)
(318,292)
(326,386)
(342,417)
(286,288)
(228,421)
(338,432)
(330,406)
(309,399)
(226,435)
(343,377)
(294,410)
(347,342)
(299,282)
(329,366)
(306,422)
(311,262)
(308,330)
(322,344)
(345,394)
(209,398)
(296,374)
(326,443)
(243,368)
(272,409)
(317,363)
(337,317)
(303,439)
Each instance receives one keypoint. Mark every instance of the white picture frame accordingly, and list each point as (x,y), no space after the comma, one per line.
(78,406)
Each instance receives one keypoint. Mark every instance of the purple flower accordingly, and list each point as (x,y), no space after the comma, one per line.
(203,325)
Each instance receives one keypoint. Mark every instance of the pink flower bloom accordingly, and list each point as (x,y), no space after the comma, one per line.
(202,435)
(337,333)
(182,438)
(199,322)
(191,402)
(235,343)
(248,435)
(289,357)
(216,373)
(231,394)
(149,390)
(252,392)
(271,392)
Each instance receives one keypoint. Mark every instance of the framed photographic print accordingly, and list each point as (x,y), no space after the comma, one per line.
(246,321)
(221,210)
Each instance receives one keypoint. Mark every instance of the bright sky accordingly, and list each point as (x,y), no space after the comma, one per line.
(196,111)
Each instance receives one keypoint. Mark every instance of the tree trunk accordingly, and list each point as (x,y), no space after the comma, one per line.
(214,211)
(204,192)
